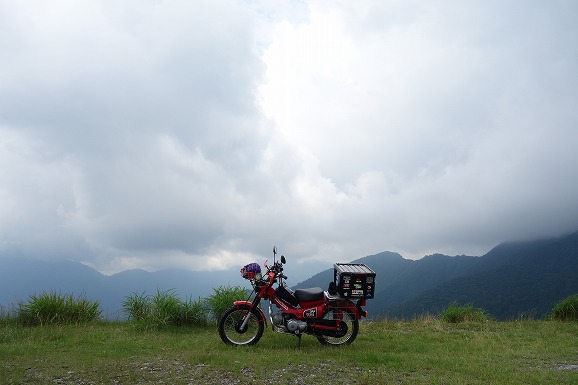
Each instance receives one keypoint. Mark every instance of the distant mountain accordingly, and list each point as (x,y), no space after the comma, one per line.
(19,279)
(399,280)
(512,280)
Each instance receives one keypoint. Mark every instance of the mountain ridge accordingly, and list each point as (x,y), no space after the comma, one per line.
(531,281)
(512,279)
(19,279)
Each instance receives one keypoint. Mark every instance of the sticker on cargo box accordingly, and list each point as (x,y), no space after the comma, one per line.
(356,292)
(369,280)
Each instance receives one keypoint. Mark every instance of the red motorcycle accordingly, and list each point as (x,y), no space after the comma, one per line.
(334,320)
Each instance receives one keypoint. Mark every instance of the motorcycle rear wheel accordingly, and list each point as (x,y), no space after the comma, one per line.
(350,326)
(230,323)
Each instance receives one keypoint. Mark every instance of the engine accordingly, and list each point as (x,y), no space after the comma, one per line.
(296,326)
(278,319)
(291,325)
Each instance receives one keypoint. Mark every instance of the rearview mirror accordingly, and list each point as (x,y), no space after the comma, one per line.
(283,260)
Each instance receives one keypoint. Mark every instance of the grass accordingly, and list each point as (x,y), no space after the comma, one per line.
(164,309)
(567,309)
(56,338)
(423,351)
(223,298)
(468,313)
(57,308)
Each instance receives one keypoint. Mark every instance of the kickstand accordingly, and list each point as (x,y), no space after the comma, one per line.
(299,343)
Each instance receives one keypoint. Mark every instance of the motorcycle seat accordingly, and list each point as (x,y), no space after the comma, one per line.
(306,295)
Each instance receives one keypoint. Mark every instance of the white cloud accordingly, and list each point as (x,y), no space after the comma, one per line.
(452,112)
(201,133)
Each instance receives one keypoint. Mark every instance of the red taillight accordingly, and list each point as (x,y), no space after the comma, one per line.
(359,304)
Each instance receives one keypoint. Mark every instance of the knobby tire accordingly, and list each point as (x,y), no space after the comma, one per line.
(230,321)
(352,330)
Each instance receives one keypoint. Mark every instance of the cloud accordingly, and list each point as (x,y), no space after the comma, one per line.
(152,111)
(200,134)
(454,113)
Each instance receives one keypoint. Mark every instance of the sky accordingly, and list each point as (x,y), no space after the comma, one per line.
(198,134)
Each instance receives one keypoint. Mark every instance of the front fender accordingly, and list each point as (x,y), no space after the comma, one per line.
(247,305)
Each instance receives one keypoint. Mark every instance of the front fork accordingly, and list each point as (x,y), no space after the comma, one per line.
(254,306)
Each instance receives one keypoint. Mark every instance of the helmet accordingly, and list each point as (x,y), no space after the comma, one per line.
(249,271)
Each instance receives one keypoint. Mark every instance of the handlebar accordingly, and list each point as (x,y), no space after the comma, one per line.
(276,270)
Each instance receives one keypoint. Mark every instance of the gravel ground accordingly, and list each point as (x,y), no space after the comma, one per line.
(162,371)
(172,371)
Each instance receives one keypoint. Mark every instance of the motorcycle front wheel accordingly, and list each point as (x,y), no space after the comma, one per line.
(230,326)
(349,329)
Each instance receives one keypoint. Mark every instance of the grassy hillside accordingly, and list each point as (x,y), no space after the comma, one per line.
(425,351)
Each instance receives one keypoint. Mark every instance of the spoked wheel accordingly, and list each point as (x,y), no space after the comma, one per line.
(230,326)
(349,327)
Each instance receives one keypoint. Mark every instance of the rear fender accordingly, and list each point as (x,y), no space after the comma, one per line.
(346,305)
(242,305)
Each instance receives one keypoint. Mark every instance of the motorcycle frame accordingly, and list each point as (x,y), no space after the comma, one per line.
(311,312)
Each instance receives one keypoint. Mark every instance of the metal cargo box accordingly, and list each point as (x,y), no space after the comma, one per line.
(354,280)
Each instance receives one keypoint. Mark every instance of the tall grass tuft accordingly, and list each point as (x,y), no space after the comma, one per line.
(192,312)
(164,309)
(137,306)
(223,298)
(56,308)
(567,309)
(456,314)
